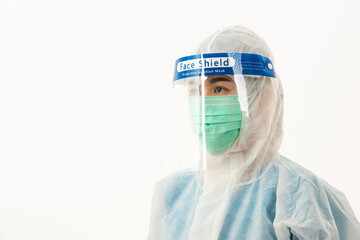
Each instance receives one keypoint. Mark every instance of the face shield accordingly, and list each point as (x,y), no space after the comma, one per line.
(210,115)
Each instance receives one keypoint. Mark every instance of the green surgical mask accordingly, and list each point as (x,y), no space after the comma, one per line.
(222,120)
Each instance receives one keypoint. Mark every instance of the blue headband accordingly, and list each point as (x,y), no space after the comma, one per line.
(222,64)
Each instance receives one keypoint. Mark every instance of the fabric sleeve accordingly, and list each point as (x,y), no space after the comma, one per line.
(310,209)
(158,210)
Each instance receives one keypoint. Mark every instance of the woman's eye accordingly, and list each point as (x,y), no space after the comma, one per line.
(219,89)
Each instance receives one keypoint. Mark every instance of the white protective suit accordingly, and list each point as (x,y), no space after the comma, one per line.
(248,191)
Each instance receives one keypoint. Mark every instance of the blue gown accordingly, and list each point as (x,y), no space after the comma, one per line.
(287,202)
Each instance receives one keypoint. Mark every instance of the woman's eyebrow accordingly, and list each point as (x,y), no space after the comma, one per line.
(218,79)
(211,80)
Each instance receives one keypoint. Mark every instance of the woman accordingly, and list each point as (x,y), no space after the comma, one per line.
(227,179)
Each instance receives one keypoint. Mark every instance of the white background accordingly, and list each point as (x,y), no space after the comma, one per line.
(84,93)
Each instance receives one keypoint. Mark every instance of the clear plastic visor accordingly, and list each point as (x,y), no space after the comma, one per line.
(208,110)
